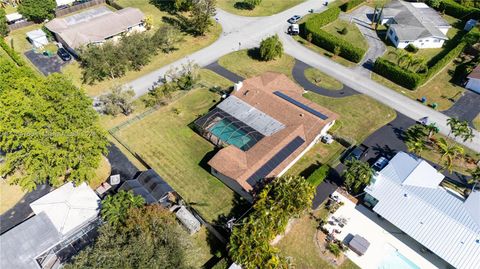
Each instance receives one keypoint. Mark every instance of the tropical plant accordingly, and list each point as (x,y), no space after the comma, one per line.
(448,152)
(460,129)
(475,176)
(432,129)
(416,138)
(150,238)
(357,175)
(271,48)
(115,207)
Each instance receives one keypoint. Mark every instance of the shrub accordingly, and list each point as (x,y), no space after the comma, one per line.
(319,175)
(411,48)
(459,11)
(334,249)
(350,5)
(271,48)
(13,54)
(344,31)
(321,19)
(393,72)
(442,62)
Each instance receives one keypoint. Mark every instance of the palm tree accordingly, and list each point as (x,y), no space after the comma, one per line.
(448,152)
(416,137)
(416,146)
(431,129)
(460,129)
(357,175)
(400,56)
(454,125)
(115,207)
(475,179)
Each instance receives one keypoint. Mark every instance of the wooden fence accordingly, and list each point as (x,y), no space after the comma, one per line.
(75,8)
(19,25)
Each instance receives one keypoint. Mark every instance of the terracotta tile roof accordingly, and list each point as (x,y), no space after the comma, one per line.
(259,93)
(475,73)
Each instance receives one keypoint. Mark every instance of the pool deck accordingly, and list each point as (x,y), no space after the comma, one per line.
(382,235)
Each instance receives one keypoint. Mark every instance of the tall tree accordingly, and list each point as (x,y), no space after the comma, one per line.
(115,208)
(100,62)
(49,130)
(460,129)
(448,152)
(3,23)
(357,175)
(166,37)
(38,10)
(150,238)
(117,101)
(415,138)
(201,16)
(271,48)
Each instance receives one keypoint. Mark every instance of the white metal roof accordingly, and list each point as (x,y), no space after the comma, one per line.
(68,207)
(251,116)
(64,2)
(440,220)
(13,16)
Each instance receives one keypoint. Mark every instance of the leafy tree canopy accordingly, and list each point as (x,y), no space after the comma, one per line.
(150,238)
(271,48)
(37,10)
(201,16)
(3,23)
(48,129)
(115,207)
(357,175)
(117,101)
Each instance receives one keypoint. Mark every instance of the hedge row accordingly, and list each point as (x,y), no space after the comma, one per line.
(459,11)
(350,5)
(393,72)
(319,175)
(328,41)
(439,65)
(13,54)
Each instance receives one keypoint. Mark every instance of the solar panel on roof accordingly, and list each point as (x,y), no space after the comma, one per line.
(275,161)
(300,105)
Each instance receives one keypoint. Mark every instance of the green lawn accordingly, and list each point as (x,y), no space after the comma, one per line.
(476,122)
(245,64)
(9,196)
(322,80)
(265,8)
(175,151)
(299,244)
(353,36)
(319,154)
(360,115)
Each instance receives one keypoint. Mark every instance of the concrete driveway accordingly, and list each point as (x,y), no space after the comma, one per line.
(46,65)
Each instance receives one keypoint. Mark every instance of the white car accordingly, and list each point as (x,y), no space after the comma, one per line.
(294,19)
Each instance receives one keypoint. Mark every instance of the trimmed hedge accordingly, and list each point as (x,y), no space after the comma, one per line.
(13,54)
(440,64)
(459,11)
(350,5)
(393,72)
(319,175)
(328,41)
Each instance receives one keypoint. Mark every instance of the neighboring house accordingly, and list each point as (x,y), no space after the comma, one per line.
(414,23)
(264,127)
(95,26)
(63,222)
(150,186)
(473,82)
(407,194)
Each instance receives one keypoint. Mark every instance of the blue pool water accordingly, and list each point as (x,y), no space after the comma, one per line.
(230,134)
(395,260)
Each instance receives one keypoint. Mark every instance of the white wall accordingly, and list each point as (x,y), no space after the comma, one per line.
(232,184)
(424,43)
(473,84)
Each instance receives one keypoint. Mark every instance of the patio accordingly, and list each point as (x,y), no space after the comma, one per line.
(388,245)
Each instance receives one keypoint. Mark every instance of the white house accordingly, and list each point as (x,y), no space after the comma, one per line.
(407,193)
(474,80)
(414,23)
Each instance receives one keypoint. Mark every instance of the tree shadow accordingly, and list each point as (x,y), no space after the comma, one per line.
(385,151)
(179,21)
(254,54)
(243,6)
(164,5)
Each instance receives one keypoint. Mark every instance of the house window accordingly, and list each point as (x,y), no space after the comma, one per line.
(396,38)
(390,32)
(420,40)
(436,40)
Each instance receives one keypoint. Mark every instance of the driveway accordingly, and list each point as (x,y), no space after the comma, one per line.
(376,47)
(466,108)
(46,65)
(217,68)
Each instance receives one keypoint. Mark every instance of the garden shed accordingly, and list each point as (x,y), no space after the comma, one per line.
(188,220)
(38,38)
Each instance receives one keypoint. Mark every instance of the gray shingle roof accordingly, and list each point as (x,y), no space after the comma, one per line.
(149,185)
(440,220)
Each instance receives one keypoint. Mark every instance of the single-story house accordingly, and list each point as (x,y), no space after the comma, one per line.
(38,38)
(150,186)
(414,23)
(95,26)
(61,217)
(263,127)
(473,82)
(407,193)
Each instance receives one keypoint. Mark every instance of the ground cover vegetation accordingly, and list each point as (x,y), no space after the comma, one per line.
(45,138)
(256,7)
(347,6)
(282,199)
(3,23)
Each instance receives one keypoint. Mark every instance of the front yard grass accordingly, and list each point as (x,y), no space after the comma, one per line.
(353,36)
(319,154)
(323,80)
(476,122)
(246,64)
(265,8)
(164,140)
(9,195)
(359,114)
(299,244)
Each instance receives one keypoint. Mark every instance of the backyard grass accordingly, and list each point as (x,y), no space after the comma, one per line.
(360,115)
(437,90)
(321,79)
(265,8)
(10,9)
(9,195)
(177,153)
(101,173)
(353,36)
(476,122)
(299,244)
(319,154)
(245,64)
(200,251)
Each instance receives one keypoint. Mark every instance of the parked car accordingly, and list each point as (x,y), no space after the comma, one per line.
(356,153)
(63,54)
(380,164)
(327,139)
(293,29)
(294,19)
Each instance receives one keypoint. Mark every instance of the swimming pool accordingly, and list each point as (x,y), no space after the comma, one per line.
(231,134)
(395,260)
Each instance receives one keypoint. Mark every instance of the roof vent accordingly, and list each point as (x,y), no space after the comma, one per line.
(237,86)
(301,114)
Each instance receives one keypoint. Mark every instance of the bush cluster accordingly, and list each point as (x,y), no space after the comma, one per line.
(459,11)
(350,5)
(411,48)
(393,72)
(319,175)
(13,54)
(328,41)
